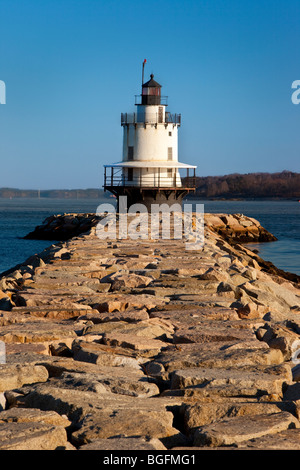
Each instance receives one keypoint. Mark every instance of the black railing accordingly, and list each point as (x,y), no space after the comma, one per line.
(173,118)
(163,99)
(118,178)
(153,118)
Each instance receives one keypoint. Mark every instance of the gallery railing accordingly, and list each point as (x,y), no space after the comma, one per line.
(116,178)
(150,118)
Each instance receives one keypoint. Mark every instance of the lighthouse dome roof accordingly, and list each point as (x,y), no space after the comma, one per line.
(151,82)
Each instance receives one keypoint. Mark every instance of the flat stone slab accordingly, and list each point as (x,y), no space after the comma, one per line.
(13,376)
(124,443)
(49,313)
(234,431)
(134,422)
(36,331)
(201,414)
(206,332)
(104,317)
(56,366)
(15,348)
(284,440)
(119,302)
(153,328)
(74,403)
(14,317)
(218,355)
(146,347)
(116,380)
(186,314)
(104,415)
(34,299)
(29,415)
(105,355)
(32,436)
(247,382)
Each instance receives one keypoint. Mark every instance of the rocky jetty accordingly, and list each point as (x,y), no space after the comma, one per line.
(235,228)
(238,228)
(62,227)
(145,345)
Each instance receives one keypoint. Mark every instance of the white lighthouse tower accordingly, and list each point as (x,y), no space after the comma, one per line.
(149,172)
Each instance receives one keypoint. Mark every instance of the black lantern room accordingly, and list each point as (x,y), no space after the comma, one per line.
(151,92)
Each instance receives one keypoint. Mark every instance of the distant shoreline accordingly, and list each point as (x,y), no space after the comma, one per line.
(274,199)
(12,193)
(233,187)
(85,194)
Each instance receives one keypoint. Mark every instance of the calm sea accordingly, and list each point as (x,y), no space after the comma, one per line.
(20,216)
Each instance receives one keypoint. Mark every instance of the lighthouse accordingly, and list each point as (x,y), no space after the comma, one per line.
(150,172)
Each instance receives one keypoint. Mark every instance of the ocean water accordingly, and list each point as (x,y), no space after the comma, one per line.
(281,218)
(18,217)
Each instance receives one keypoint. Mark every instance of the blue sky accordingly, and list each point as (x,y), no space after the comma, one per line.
(72,66)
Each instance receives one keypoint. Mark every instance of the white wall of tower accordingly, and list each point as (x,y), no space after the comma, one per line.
(148,138)
(151,141)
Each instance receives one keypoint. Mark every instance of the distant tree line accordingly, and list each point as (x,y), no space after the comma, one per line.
(52,193)
(285,185)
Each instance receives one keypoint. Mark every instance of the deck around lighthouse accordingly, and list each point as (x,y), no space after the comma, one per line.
(122,175)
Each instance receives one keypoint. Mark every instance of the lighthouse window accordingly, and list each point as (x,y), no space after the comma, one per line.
(154,91)
(169,172)
(170,153)
(130,153)
(170,134)
(160,114)
(130,174)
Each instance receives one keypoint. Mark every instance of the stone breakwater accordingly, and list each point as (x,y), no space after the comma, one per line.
(115,345)
(236,228)
(63,226)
